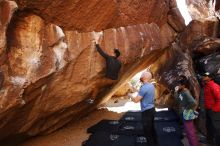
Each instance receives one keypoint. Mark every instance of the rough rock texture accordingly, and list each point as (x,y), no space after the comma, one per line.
(173,63)
(202,9)
(168,35)
(49,73)
(90,15)
(199,38)
(123,90)
(217,6)
(163,96)
(175,20)
(207,46)
(7,9)
(196,32)
(210,63)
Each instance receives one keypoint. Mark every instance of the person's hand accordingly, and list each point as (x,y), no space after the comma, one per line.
(97,37)
(94,42)
(129,95)
(176,88)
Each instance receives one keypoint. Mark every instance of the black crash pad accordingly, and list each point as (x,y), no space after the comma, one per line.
(168,134)
(132,116)
(164,116)
(168,129)
(131,128)
(140,141)
(108,139)
(111,126)
(168,141)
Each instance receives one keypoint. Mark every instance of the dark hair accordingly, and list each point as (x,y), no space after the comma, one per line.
(182,77)
(117,52)
(208,74)
(184,82)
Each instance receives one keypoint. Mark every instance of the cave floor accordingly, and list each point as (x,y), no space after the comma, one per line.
(75,133)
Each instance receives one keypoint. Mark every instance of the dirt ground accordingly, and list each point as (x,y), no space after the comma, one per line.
(75,133)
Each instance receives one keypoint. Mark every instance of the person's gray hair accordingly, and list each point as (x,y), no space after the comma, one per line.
(147,75)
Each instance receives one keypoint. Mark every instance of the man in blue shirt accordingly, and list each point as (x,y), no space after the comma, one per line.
(146,97)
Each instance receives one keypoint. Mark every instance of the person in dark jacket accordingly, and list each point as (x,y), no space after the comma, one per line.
(113,65)
(212,106)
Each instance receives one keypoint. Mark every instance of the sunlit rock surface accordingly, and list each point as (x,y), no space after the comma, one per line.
(126,88)
(91,15)
(7,9)
(202,9)
(50,72)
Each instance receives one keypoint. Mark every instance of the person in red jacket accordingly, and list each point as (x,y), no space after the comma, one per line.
(212,106)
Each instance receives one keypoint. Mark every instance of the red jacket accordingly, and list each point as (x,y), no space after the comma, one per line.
(212,96)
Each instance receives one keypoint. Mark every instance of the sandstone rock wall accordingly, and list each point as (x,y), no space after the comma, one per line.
(50,64)
(88,15)
(7,9)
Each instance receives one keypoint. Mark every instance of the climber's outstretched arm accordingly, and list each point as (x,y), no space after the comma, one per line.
(101,52)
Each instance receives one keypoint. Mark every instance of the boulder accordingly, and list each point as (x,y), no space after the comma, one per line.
(7,8)
(99,15)
(196,32)
(176,20)
(50,72)
(207,46)
(123,90)
(173,63)
(168,35)
(210,63)
(163,97)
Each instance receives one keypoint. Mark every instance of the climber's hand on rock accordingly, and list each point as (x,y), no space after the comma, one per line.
(130,95)
(98,36)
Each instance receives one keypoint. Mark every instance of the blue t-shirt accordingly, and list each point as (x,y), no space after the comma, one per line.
(147,91)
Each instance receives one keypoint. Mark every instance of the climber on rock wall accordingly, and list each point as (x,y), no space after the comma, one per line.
(113,66)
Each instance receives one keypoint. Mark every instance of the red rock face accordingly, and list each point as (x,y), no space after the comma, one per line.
(51,66)
(203,9)
(197,31)
(50,72)
(217,6)
(176,20)
(88,15)
(7,9)
(171,65)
